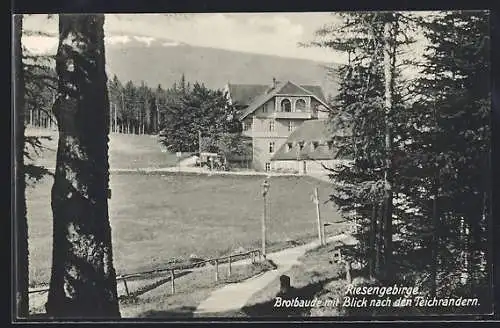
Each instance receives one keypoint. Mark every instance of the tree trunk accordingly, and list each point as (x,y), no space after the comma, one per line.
(21,225)
(435,241)
(372,243)
(148,118)
(379,242)
(83,279)
(389,57)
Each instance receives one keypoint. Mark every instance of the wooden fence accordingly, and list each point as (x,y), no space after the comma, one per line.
(229,259)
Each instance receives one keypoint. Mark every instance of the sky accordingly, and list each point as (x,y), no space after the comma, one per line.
(276,34)
(264,33)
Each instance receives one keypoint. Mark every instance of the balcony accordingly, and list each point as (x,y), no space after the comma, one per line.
(293,115)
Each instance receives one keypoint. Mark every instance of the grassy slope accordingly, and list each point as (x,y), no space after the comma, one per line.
(157,217)
(125,151)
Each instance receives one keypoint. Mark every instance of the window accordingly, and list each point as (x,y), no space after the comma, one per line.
(301,145)
(268,167)
(290,126)
(264,108)
(271,126)
(247,126)
(300,105)
(330,145)
(314,145)
(271,147)
(289,146)
(286,105)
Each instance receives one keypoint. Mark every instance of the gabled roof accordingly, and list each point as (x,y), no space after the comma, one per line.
(308,132)
(315,90)
(244,94)
(282,88)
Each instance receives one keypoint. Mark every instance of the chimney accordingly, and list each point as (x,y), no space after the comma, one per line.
(274,82)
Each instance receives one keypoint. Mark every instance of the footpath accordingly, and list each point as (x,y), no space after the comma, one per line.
(235,296)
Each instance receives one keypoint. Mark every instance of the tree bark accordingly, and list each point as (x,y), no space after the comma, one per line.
(379,242)
(389,57)
(372,243)
(83,279)
(21,251)
(435,240)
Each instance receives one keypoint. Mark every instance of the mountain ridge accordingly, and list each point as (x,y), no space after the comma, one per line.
(156,64)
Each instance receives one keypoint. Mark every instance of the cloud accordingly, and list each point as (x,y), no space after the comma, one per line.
(117,39)
(264,33)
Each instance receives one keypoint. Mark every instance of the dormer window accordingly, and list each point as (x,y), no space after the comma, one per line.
(286,105)
(264,108)
(301,145)
(289,147)
(330,145)
(314,145)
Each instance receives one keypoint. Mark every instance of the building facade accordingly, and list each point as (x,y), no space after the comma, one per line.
(271,114)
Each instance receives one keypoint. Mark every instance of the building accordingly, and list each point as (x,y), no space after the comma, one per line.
(286,123)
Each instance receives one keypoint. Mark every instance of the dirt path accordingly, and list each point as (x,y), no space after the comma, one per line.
(234,296)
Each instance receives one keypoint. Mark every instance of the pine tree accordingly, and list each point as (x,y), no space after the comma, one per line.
(456,89)
(83,279)
(368,104)
(20,223)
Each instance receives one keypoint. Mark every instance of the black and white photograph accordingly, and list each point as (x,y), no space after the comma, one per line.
(263,165)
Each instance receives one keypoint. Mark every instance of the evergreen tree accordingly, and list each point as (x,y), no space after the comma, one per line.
(83,279)
(20,223)
(368,104)
(456,102)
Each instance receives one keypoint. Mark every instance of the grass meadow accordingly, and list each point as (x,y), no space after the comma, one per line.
(160,217)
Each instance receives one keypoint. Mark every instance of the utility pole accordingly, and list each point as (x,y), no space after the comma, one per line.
(265,190)
(321,230)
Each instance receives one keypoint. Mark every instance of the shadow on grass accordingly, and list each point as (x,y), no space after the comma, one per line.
(268,309)
(182,312)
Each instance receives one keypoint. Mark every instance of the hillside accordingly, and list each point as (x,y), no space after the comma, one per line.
(125,151)
(161,64)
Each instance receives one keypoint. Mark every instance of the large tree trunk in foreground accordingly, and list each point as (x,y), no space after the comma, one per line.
(83,281)
(21,226)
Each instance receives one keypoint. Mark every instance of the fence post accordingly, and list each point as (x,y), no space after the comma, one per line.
(348,271)
(216,270)
(229,266)
(172,281)
(126,287)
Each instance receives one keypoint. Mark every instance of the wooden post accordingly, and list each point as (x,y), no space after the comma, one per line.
(348,272)
(216,270)
(126,287)
(172,281)
(229,266)
(318,218)
(284,284)
(264,227)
